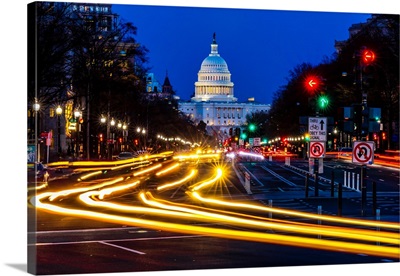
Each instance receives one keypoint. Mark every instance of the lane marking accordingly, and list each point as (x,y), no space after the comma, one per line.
(117,240)
(123,248)
(279,177)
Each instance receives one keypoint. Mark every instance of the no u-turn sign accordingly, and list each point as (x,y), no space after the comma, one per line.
(363,152)
(317,149)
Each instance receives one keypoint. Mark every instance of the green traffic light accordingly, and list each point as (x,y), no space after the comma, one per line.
(252,127)
(323,101)
(243,136)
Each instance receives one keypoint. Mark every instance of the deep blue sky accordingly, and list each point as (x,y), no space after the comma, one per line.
(260,46)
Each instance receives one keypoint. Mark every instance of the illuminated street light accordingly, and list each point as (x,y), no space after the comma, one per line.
(36,106)
(59,112)
(77,114)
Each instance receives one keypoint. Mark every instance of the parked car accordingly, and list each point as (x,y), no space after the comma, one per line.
(125,155)
(38,172)
(345,151)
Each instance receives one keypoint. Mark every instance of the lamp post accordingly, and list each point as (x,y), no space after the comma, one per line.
(124,135)
(143,132)
(59,112)
(103,120)
(119,125)
(112,125)
(36,108)
(77,115)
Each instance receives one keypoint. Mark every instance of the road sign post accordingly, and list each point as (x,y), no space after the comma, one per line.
(363,153)
(317,129)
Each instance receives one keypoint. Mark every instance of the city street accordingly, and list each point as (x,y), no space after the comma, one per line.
(190,214)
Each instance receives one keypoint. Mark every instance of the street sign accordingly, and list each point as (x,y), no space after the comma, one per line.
(257,141)
(363,152)
(251,141)
(317,128)
(317,149)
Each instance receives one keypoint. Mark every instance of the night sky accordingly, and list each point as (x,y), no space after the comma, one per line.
(259,46)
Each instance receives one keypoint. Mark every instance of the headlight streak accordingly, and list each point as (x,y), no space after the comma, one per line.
(168,209)
(65,193)
(87,198)
(173,184)
(251,154)
(206,183)
(147,170)
(111,190)
(197,156)
(38,187)
(368,223)
(338,232)
(226,233)
(89,175)
(166,170)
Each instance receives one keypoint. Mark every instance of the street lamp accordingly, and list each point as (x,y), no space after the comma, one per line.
(59,112)
(124,135)
(36,108)
(77,114)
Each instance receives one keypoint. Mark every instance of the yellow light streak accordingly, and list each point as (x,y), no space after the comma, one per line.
(166,170)
(197,156)
(65,193)
(371,223)
(90,175)
(152,168)
(357,248)
(338,232)
(183,180)
(208,182)
(111,190)
(170,210)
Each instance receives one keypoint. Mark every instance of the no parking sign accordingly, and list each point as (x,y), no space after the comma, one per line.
(363,152)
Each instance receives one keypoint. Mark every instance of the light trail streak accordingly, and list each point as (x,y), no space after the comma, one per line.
(111,190)
(167,170)
(338,232)
(197,156)
(169,210)
(357,248)
(173,184)
(369,223)
(65,193)
(206,183)
(251,154)
(152,168)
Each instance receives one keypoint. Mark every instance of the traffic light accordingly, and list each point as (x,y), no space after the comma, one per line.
(312,83)
(367,56)
(323,102)
(383,135)
(307,137)
(101,137)
(230,132)
(237,132)
(252,127)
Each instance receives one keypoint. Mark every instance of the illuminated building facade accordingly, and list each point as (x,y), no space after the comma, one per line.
(214,102)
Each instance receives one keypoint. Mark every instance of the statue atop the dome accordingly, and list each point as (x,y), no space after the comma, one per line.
(214,40)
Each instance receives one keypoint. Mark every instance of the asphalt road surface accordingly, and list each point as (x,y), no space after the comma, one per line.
(65,243)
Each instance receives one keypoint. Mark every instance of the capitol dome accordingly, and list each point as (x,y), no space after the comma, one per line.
(214,79)
(214,63)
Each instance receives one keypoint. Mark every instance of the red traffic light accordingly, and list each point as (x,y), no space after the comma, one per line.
(312,83)
(368,56)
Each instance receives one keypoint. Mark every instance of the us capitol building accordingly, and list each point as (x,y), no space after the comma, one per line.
(214,102)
